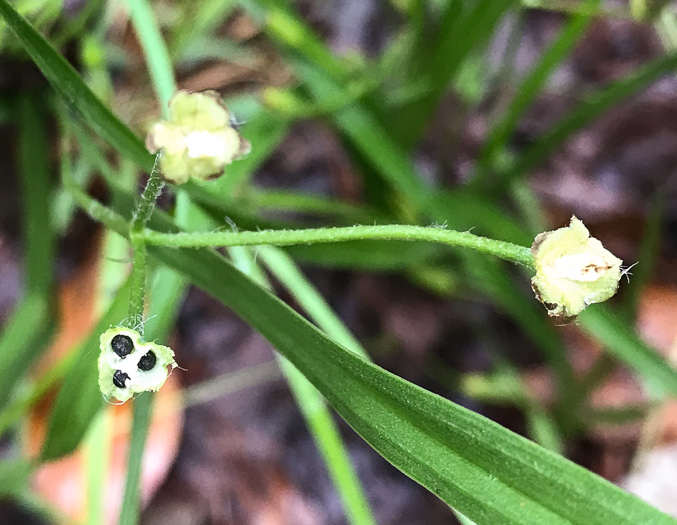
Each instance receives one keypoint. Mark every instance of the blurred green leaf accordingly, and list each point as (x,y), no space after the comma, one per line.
(77,95)
(29,326)
(482,469)
(621,341)
(530,87)
(79,398)
(14,477)
(586,112)
(464,26)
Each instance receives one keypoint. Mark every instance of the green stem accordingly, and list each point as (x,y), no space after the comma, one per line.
(148,197)
(504,250)
(96,211)
(137,297)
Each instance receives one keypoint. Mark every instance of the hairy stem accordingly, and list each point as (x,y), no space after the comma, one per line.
(136,236)
(504,250)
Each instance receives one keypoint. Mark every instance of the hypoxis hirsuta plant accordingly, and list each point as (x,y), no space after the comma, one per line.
(573,270)
(197,141)
(441,445)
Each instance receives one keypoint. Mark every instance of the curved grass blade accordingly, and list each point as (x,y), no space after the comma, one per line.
(310,402)
(473,464)
(78,96)
(530,87)
(621,341)
(585,113)
(480,468)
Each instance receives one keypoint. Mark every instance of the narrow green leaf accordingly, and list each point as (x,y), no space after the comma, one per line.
(622,342)
(157,58)
(79,399)
(586,112)
(488,473)
(97,448)
(461,33)
(28,328)
(25,334)
(473,464)
(36,197)
(284,269)
(143,408)
(71,87)
(529,89)
(310,402)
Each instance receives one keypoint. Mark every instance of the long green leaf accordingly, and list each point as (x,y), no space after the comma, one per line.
(30,325)
(79,399)
(310,402)
(529,89)
(589,110)
(488,473)
(78,96)
(473,464)
(621,341)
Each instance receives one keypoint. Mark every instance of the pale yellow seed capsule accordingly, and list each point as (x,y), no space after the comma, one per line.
(573,270)
(198,140)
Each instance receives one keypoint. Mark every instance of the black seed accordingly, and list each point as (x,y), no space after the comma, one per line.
(120,378)
(147,362)
(122,345)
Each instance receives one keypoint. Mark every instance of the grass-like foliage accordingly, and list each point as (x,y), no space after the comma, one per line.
(485,472)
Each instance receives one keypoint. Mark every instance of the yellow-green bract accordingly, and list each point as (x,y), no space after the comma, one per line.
(573,270)
(198,140)
(128,365)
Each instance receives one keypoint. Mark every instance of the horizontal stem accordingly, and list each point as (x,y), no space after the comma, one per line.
(504,250)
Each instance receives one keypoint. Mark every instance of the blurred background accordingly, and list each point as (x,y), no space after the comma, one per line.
(518,114)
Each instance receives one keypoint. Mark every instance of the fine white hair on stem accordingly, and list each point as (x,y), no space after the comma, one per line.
(626,271)
(232,224)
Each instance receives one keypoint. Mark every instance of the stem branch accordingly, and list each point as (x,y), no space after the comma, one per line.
(137,238)
(504,250)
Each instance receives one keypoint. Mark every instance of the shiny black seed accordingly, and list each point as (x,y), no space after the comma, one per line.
(122,345)
(120,378)
(147,362)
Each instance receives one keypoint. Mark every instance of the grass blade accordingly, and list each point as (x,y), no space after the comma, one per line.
(473,464)
(77,95)
(621,341)
(461,33)
(284,269)
(29,327)
(529,89)
(157,57)
(585,113)
(310,402)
